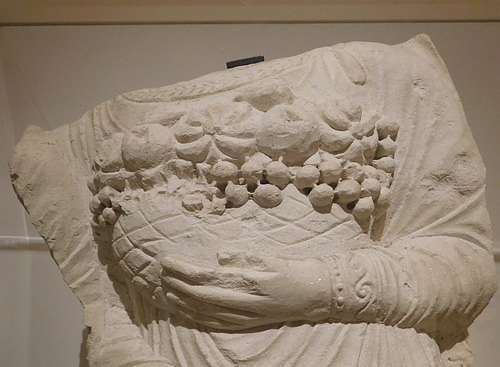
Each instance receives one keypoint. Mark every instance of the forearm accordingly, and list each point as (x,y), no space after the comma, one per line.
(429,284)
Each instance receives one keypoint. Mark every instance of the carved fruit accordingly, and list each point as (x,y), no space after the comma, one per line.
(386,148)
(355,153)
(109,215)
(106,195)
(252,172)
(236,121)
(348,191)
(386,164)
(235,147)
(334,141)
(334,117)
(387,126)
(96,206)
(384,199)
(236,194)
(331,171)
(185,133)
(370,187)
(267,196)
(223,172)
(195,151)
(147,147)
(289,132)
(278,174)
(384,178)
(371,172)
(369,145)
(353,170)
(322,195)
(109,154)
(363,128)
(218,205)
(306,176)
(363,208)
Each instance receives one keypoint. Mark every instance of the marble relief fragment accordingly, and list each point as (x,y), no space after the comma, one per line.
(325,209)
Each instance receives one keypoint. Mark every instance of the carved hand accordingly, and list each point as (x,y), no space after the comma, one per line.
(248,291)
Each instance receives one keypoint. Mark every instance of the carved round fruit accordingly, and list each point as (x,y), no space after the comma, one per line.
(96,206)
(109,215)
(236,194)
(289,132)
(195,151)
(386,148)
(334,117)
(306,176)
(348,191)
(370,187)
(387,126)
(385,178)
(278,174)
(384,198)
(106,195)
(371,172)
(322,195)
(334,141)
(252,172)
(386,164)
(223,172)
(186,133)
(147,147)
(331,171)
(353,171)
(92,184)
(267,196)
(235,147)
(363,208)
(101,221)
(109,154)
(218,205)
(236,121)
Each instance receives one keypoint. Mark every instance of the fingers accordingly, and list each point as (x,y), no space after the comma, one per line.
(190,272)
(218,296)
(210,312)
(244,280)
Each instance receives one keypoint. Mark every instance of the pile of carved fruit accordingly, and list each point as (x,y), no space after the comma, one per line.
(336,153)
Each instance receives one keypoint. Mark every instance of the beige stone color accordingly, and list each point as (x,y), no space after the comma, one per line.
(321,210)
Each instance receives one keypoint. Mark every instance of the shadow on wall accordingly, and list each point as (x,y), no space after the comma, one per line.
(83,348)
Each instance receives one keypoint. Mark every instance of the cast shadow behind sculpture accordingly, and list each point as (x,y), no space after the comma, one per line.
(83,348)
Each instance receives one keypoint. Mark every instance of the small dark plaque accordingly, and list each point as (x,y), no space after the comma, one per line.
(247,61)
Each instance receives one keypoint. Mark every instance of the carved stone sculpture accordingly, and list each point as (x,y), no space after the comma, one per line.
(321,210)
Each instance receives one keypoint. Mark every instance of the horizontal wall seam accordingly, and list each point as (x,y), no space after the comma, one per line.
(38,244)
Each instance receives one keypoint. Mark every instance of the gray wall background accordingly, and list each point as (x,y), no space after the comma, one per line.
(51,75)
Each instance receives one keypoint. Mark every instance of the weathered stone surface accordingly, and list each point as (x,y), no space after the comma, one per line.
(321,210)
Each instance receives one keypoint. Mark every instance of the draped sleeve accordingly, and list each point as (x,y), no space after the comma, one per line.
(430,266)
(49,171)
